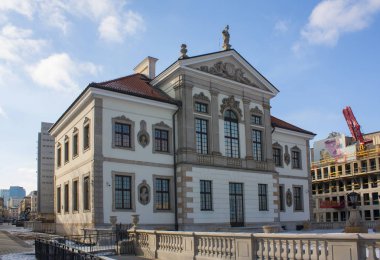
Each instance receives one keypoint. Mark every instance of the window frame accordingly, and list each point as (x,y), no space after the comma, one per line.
(296,150)
(171,193)
(59,200)
(158,137)
(202,99)
(281,198)
(263,197)
(205,194)
(228,121)
(125,121)
(66,198)
(296,199)
(66,153)
(59,155)
(86,135)
(131,191)
(257,146)
(162,127)
(75,143)
(202,134)
(278,147)
(86,189)
(75,196)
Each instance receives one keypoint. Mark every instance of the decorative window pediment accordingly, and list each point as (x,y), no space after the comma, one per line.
(86,121)
(256,111)
(66,138)
(201,96)
(75,130)
(230,103)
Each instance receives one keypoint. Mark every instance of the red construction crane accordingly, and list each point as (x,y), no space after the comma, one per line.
(354,127)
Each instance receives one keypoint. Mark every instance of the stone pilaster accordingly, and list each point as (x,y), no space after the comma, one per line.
(267,147)
(247,126)
(214,129)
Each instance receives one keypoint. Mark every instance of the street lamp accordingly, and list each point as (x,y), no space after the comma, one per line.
(355,223)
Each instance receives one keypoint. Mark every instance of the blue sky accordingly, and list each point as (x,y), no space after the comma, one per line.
(321,55)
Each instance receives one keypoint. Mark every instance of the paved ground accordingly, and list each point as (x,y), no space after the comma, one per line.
(9,244)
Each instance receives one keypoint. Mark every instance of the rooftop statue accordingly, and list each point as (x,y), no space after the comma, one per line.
(226,38)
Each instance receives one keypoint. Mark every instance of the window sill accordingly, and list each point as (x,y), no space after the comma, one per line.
(75,156)
(123,148)
(123,210)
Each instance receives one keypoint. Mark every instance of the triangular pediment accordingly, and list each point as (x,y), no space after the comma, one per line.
(231,66)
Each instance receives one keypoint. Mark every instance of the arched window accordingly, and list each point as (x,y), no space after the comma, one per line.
(231,134)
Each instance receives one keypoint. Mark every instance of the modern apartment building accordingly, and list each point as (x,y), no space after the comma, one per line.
(45,171)
(17,192)
(339,168)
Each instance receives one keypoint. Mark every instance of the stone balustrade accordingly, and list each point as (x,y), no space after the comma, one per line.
(244,246)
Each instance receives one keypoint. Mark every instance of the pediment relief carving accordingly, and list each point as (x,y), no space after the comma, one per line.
(230,102)
(277,145)
(201,96)
(227,70)
(162,125)
(256,110)
(122,118)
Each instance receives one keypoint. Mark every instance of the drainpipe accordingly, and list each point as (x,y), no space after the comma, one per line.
(175,170)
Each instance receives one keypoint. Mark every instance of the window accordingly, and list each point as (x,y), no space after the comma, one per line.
(66,198)
(376,214)
(75,195)
(231,134)
(335,216)
(319,174)
(59,200)
(366,199)
(328,217)
(201,136)
(86,136)
(256,145)
(277,157)
(367,214)
(365,182)
(162,198)
(348,168)
(123,193)
(372,164)
(342,216)
(75,144)
(375,198)
(374,181)
(86,193)
(256,120)
(297,193)
(364,166)
(59,156)
(281,192)
(122,135)
(263,197)
(66,150)
(161,140)
(296,158)
(201,107)
(206,195)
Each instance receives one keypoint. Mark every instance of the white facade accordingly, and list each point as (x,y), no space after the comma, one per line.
(139,162)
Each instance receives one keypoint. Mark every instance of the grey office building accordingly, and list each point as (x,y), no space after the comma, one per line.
(45,171)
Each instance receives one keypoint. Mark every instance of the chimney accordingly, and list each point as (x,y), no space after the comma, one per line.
(147,67)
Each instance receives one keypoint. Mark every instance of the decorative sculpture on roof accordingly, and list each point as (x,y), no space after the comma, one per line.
(226,38)
(183,51)
(227,70)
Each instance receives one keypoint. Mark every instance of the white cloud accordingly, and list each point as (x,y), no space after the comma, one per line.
(109,29)
(2,113)
(17,43)
(134,23)
(281,26)
(23,7)
(59,72)
(330,19)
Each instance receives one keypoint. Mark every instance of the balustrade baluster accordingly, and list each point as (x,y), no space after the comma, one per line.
(260,249)
(278,247)
(291,254)
(323,248)
(314,250)
(307,252)
(298,249)
(285,249)
(371,251)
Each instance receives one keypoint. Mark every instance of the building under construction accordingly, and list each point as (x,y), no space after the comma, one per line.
(343,164)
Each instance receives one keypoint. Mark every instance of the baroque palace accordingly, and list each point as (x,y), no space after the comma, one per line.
(192,148)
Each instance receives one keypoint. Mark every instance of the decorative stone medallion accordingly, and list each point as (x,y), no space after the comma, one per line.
(143,136)
(289,198)
(286,155)
(144,192)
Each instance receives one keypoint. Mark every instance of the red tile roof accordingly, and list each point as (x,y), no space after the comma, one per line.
(135,85)
(285,125)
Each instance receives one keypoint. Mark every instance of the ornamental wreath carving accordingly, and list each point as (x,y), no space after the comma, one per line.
(144,192)
(289,198)
(143,136)
(230,102)
(227,70)
(286,155)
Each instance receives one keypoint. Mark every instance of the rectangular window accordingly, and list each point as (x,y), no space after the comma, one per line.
(162,196)
(66,151)
(348,168)
(374,181)
(206,195)
(296,160)
(375,198)
(328,217)
(298,202)
(201,107)
(201,132)
(372,164)
(66,198)
(75,145)
(342,216)
(86,193)
(367,214)
(366,199)
(277,157)
(257,145)
(123,193)
(122,135)
(335,216)
(364,166)
(59,157)
(319,174)
(75,195)
(256,120)
(263,197)
(59,200)
(281,197)
(376,214)
(161,140)
(86,137)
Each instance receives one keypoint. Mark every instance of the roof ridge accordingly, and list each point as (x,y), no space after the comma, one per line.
(123,77)
(297,128)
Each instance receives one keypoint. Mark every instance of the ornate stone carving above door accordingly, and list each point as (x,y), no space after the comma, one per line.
(227,70)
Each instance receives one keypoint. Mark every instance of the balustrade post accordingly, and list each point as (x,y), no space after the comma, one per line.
(153,243)
(189,247)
